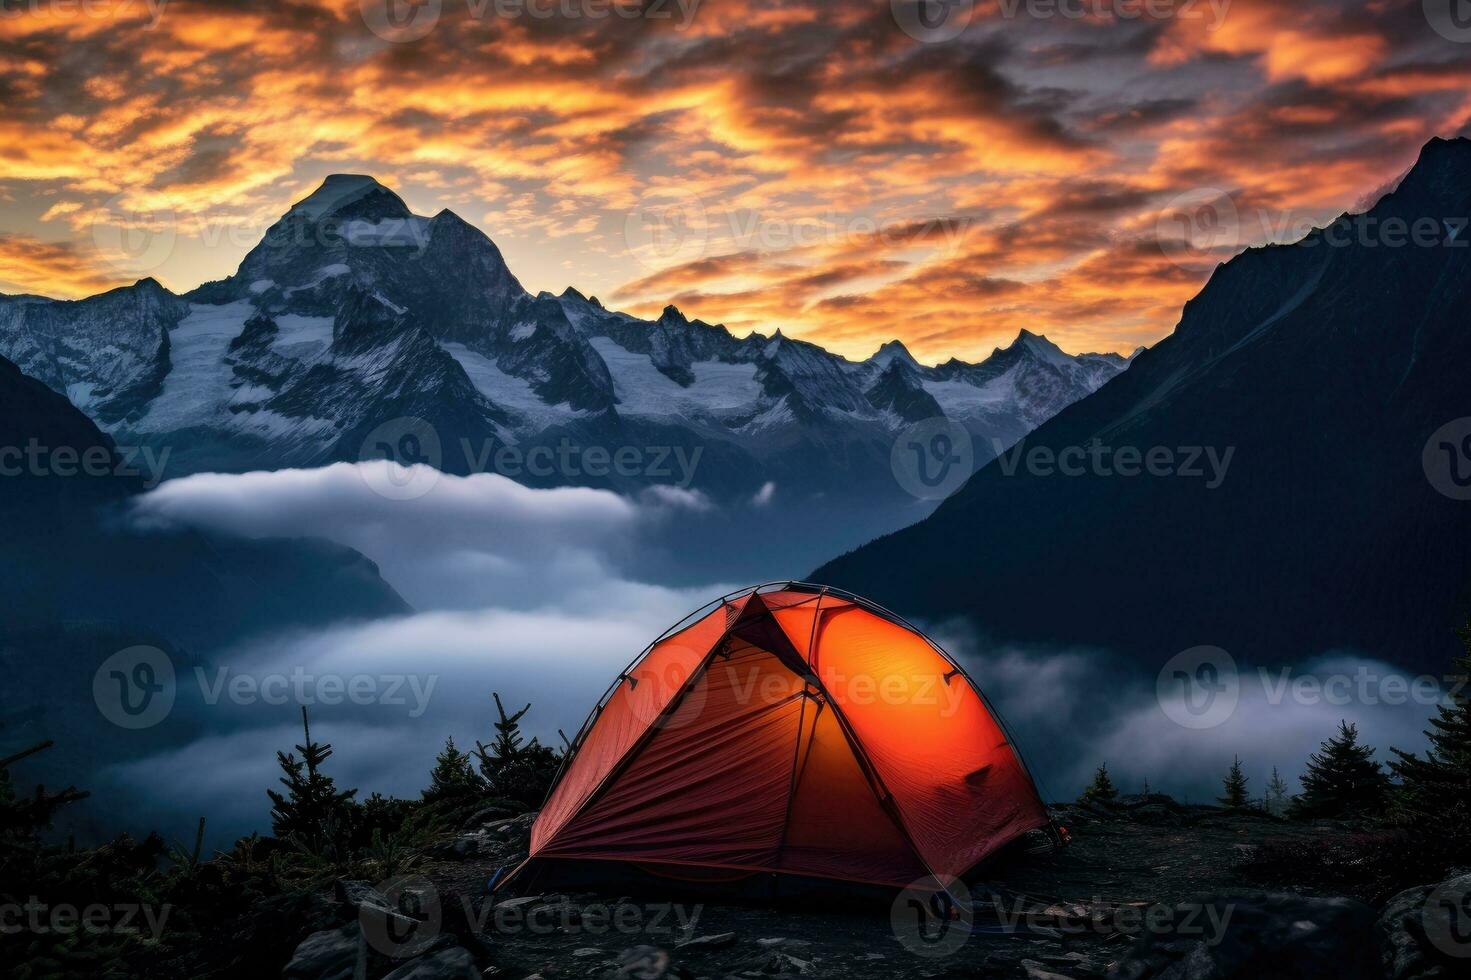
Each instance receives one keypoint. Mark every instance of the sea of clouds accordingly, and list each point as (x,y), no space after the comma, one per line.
(544,596)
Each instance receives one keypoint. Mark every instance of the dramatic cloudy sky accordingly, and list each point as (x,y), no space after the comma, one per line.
(1071,166)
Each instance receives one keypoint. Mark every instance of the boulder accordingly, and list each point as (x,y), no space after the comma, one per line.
(1253,935)
(491,814)
(643,963)
(1157,816)
(1425,932)
(784,964)
(332,954)
(1036,971)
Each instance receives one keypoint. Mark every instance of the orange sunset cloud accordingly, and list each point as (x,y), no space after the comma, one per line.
(851,184)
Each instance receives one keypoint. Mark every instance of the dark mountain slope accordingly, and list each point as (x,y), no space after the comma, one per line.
(1323,367)
(71,555)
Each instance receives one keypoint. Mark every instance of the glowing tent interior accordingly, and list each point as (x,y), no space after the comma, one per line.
(792,732)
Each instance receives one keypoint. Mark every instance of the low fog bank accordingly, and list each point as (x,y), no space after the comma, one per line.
(545,595)
(1073,710)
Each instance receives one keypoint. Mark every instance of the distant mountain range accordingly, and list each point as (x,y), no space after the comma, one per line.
(353,312)
(1328,370)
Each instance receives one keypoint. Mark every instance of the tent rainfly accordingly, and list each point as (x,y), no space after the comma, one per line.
(793,732)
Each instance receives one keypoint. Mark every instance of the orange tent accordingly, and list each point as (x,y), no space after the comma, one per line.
(795,731)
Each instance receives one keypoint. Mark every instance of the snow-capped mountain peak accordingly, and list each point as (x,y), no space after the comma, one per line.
(337,192)
(892,351)
(353,311)
(1040,347)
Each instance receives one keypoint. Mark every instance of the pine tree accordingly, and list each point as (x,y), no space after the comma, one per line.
(1434,795)
(1235,787)
(512,768)
(1276,801)
(23,818)
(312,811)
(1342,779)
(453,775)
(1101,789)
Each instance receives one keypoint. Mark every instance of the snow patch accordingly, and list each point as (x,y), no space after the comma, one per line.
(720,390)
(302,337)
(200,376)
(506,390)
(79,393)
(337,191)
(322,275)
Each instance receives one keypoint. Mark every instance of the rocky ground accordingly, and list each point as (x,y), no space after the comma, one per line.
(1148,888)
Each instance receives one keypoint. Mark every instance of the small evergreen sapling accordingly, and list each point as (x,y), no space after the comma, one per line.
(1342,779)
(312,811)
(513,768)
(453,776)
(1276,801)
(1235,797)
(24,818)
(1101,789)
